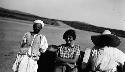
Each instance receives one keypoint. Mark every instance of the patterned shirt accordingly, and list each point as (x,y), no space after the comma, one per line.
(68,52)
(105,59)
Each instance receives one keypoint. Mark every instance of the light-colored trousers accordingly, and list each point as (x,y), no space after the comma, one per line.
(27,64)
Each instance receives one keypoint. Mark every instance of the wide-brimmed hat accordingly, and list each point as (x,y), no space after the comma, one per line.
(106,39)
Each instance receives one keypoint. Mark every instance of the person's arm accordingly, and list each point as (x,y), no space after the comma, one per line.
(24,40)
(43,45)
(86,55)
(70,60)
(23,44)
(86,58)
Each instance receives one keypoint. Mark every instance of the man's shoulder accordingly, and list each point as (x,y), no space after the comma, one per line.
(41,35)
(111,49)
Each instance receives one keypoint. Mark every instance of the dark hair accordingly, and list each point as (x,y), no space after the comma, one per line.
(69,32)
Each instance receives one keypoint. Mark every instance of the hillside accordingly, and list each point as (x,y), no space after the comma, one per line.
(75,24)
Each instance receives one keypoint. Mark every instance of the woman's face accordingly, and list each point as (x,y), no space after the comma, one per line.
(69,39)
(37,27)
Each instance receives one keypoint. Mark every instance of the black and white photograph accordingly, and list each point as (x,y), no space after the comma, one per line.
(62,36)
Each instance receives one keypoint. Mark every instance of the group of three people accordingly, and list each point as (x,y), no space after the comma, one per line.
(104,56)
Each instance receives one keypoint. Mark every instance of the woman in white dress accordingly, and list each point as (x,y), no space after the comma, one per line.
(32,44)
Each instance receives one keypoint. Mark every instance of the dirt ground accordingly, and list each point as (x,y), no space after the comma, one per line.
(12,30)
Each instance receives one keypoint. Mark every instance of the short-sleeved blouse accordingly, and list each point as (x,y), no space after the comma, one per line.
(68,52)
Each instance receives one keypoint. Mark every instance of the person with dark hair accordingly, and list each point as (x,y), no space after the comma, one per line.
(79,61)
(32,45)
(69,32)
(67,54)
(47,60)
(104,56)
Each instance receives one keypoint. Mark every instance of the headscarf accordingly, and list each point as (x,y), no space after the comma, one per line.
(40,22)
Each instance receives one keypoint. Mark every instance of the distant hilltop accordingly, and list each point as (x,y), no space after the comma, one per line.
(75,24)
(24,16)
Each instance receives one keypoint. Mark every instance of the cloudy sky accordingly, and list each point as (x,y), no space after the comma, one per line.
(104,13)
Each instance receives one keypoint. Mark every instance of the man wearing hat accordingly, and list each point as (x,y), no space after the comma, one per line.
(32,44)
(104,56)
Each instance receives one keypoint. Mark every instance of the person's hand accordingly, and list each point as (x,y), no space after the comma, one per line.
(23,51)
(57,59)
(35,58)
(41,50)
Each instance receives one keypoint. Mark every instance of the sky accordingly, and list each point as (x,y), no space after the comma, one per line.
(103,13)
